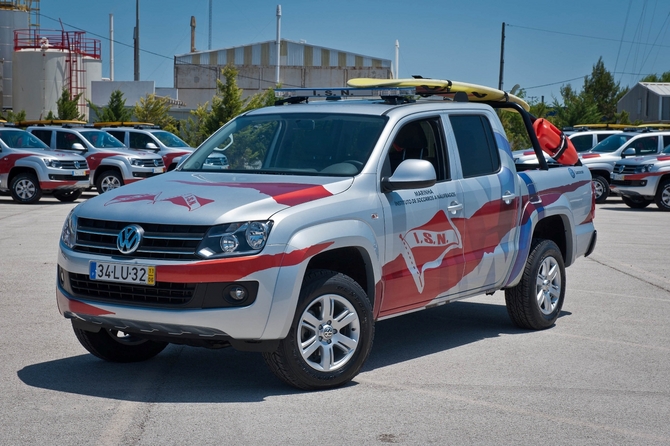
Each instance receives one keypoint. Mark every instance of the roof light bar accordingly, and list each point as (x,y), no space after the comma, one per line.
(342,93)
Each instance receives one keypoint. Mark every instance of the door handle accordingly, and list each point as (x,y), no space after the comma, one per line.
(454,207)
(508,197)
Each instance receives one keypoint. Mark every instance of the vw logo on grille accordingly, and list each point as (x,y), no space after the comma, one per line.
(76,164)
(129,239)
(156,163)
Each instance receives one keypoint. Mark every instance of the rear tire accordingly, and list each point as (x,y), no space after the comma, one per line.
(108,180)
(330,337)
(68,195)
(25,188)
(601,188)
(116,346)
(537,300)
(635,202)
(662,198)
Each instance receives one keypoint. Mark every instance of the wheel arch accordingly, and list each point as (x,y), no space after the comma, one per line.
(351,250)
(105,168)
(17,170)
(557,229)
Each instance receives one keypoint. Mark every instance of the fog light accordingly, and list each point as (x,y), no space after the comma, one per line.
(238,293)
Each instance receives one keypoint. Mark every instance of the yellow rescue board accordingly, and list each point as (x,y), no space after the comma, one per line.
(50,122)
(442,88)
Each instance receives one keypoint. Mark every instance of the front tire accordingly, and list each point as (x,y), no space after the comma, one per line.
(331,334)
(25,188)
(67,196)
(116,346)
(662,198)
(537,300)
(601,188)
(108,180)
(635,202)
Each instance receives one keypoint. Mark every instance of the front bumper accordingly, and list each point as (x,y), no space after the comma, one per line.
(161,311)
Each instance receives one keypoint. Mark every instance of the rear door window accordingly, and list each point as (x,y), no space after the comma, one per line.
(476,145)
(43,135)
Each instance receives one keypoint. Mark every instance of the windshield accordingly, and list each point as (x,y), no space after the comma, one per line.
(168,139)
(611,143)
(18,139)
(101,140)
(307,144)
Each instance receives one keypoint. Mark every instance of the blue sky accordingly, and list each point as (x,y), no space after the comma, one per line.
(547,44)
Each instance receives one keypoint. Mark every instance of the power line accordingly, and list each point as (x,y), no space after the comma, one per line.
(587,37)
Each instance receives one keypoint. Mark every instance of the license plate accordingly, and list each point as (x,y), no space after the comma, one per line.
(79,173)
(617,176)
(158,170)
(121,272)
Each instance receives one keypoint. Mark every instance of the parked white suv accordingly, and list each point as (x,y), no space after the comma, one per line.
(601,159)
(28,168)
(168,145)
(112,164)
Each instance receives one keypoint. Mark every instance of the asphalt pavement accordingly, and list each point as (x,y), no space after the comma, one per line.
(457,374)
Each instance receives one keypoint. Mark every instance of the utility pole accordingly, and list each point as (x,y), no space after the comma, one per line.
(209,43)
(137,40)
(278,43)
(502,58)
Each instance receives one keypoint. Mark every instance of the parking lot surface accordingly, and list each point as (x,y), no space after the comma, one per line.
(456,374)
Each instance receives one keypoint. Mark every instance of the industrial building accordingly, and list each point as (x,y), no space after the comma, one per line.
(300,65)
(647,102)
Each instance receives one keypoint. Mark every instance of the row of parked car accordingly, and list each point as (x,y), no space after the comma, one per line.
(632,162)
(67,159)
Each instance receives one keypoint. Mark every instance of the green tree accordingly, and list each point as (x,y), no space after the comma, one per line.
(67,107)
(225,105)
(601,90)
(114,111)
(16,117)
(576,109)
(665,77)
(155,109)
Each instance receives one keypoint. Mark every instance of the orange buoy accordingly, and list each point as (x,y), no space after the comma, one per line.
(555,143)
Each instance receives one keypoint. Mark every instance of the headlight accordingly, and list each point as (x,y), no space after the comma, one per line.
(52,163)
(234,239)
(136,162)
(644,168)
(69,233)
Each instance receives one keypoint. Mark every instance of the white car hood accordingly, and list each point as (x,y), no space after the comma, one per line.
(209,198)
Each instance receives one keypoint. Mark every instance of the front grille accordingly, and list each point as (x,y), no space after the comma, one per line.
(150,162)
(623,168)
(215,161)
(74,165)
(163,293)
(160,241)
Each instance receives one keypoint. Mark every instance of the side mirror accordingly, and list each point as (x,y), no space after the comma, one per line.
(628,152)
(78,146)
(410,174)
(151,146)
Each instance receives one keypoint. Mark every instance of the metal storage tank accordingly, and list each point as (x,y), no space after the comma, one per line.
(46,62)
(10,20)
(40,83)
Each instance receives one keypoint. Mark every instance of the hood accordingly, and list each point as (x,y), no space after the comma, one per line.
(633,160)
(209,198)
(61,156)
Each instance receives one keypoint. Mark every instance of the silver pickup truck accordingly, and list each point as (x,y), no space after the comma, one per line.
(333,214)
